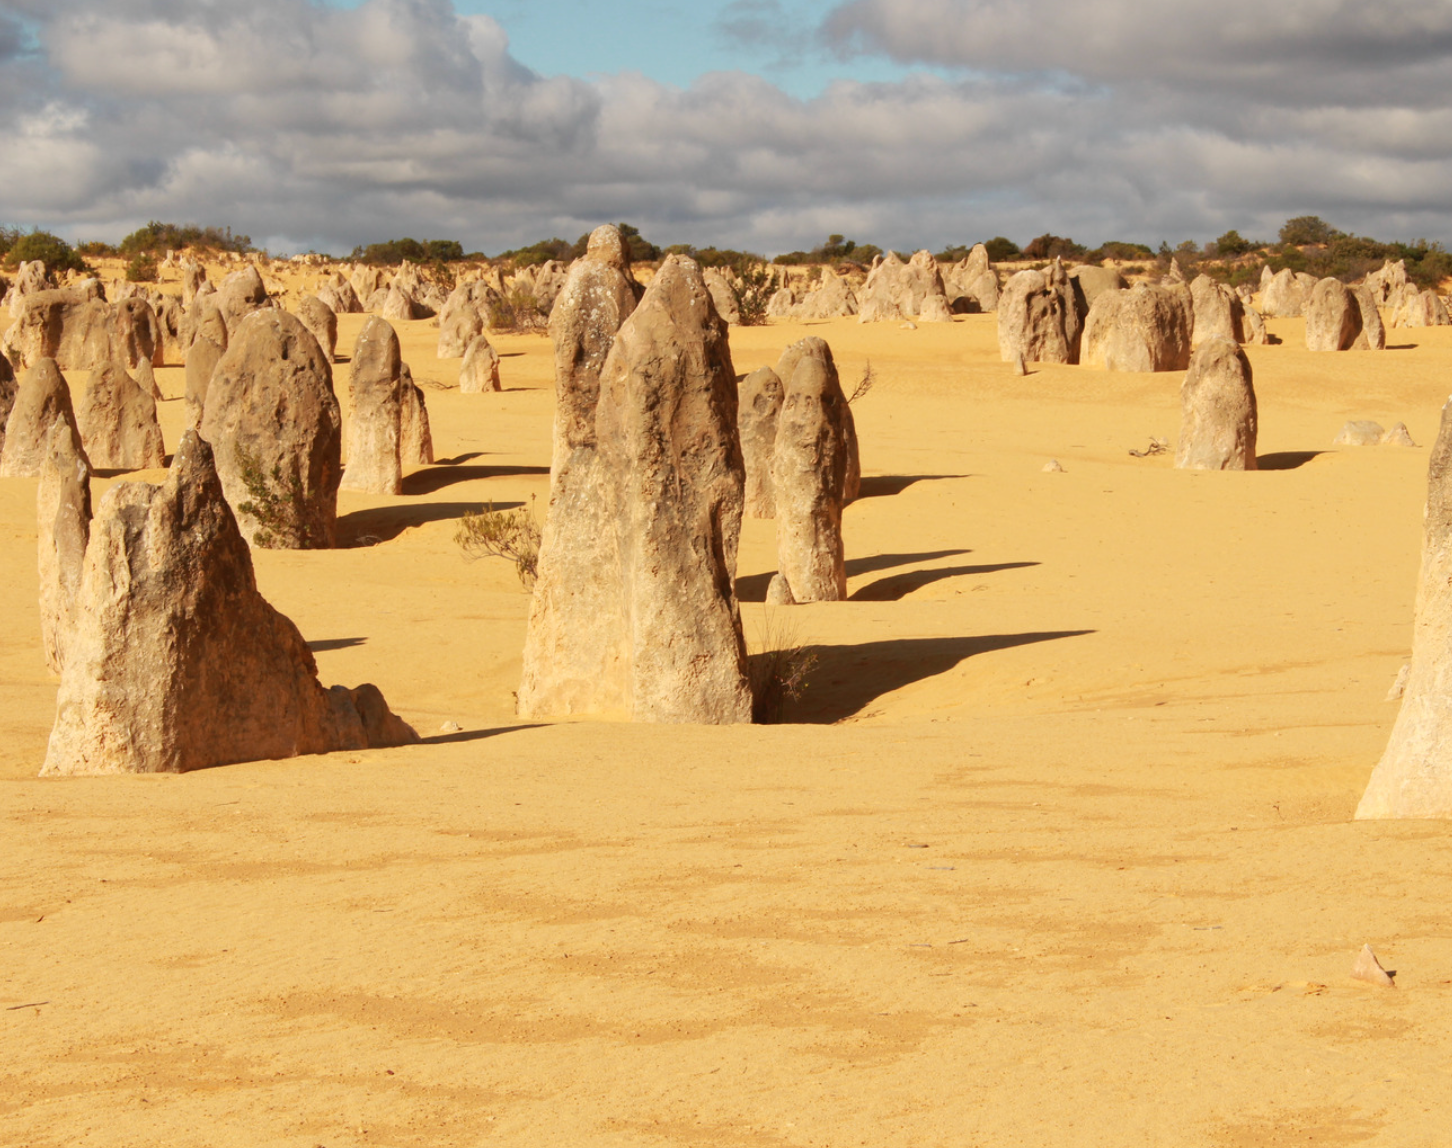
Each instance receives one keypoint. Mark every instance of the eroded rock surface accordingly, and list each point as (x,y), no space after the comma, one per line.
(272,418)
(758,408)
(174,661)
(375,387)
(118,423)
(1218,424)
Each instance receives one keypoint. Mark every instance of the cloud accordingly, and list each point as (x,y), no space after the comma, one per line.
(330,127)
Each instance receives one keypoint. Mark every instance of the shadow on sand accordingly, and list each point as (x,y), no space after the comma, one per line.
(895,587)
(847,678)
(435,478)
(334,644)
(476,734)
(385,523)
(752,587)
(883,485)
(1285,459)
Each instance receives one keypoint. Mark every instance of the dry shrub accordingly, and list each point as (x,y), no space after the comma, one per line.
(779,669)
(864,384)
(513,535)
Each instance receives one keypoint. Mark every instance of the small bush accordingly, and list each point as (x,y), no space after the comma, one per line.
(753,289)
(864,384)
(1001,250)
(53,251)
(141,269)
(513,535)
(778,672)
(518,310)
(276,503)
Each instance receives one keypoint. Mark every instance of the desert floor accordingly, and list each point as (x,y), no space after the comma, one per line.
(1056,850)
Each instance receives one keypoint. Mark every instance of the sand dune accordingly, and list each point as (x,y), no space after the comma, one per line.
(1057,850)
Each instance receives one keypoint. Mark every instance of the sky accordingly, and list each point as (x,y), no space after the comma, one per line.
(757,124)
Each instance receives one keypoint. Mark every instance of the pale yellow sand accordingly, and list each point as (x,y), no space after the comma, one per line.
(1061,855)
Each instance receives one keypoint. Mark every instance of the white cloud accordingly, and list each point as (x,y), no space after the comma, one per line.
(1121,119)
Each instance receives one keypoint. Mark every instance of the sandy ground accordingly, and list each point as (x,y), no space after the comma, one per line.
(1058,849)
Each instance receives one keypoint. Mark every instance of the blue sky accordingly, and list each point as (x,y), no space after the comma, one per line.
(757,124)
(677,43)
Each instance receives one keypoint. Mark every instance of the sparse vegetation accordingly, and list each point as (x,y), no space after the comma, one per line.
(837,249)
(752,287)
(275,502)
(779,670)
(1001,250)
(864,384)
(53,251)
(517,310)
(513,535)
(141,268)
(158,237)
(425,251)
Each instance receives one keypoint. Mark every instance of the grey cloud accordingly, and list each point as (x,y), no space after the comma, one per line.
(1118,40)
(328,126)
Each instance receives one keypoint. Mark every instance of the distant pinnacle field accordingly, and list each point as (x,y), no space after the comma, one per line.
(1056,848)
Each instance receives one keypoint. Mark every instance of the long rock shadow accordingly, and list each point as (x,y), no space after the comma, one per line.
(385,523)
(1285,459)
(752,587)
(895,587)
(475,734)
(846,679)
(883,485)
(435,478)
(322,644)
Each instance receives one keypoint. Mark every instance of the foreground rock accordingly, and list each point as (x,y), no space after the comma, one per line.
(415,436)
(465,317)
(786,367)
(808,474)
(117,421)
(139,336)
(75,327)
(663,641)
(42,399)
(376,411)
(322,321)
(757,411)
(1147,328)
(480,370)
(1373,330)
(1333,317)
(63,526)
(573,651)
(1218,423)
(175,661)
(598,296)
(1414,776)
(1037,320)
(273,421)
(1217,311)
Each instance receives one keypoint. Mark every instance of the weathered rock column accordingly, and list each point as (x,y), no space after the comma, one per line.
(374,392)
(1414,776)
(808,470)
(1219,423)
(174,661)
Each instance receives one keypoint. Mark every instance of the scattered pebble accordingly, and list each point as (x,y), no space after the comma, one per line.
(1368,968)
(1359,432)
(451,727)
(1398,436)
(1053,467)
(1399,687)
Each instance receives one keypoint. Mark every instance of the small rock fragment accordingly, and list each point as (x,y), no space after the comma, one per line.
(1019,368)
(1053,467)
(1398,436)
(778,593)
(1399,687)
(908,326)
(450,727)
(1359,432)
(1368,968)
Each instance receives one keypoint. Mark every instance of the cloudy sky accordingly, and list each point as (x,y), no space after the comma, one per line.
(763,124)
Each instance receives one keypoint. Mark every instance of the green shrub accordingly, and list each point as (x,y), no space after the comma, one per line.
(53,251)
(158,237)
(1001,250)
(276,503)
(141,269)
(513,535)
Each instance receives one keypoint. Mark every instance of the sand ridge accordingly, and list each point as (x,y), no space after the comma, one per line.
(1059,850)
